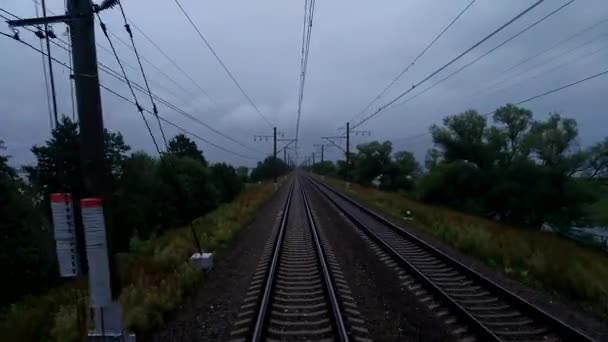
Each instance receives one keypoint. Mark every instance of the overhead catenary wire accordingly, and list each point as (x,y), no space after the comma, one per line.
(561,42)
(309,10)
(171,106)
(46,78)
(120,40)
(143,74)
(489,51)
(66,46)
(139,107)
(71,78)
(559,66)
(511,21)
(508,77)
(531,98)
(133,102)
(185,91)
(411,64)
(487,87)
(268,122)
(47,39)
(172,61)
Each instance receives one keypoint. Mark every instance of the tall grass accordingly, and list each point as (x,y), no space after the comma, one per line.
(539,258)
(155,276)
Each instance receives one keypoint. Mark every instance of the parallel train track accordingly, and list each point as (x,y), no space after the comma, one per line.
(473,306)
(298,292)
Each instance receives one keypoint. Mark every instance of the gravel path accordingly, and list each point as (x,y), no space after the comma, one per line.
(209,313)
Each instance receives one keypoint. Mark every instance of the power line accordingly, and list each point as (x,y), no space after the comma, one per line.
(602,73)
(138,87)
(132,102)
(223,65)
(500,81)
(309,10)
(179,127)
(71,78)
(489,52)
(171,61)
(171,106)
(449,63)
(46,79)
(575,59)
(139,108)
(561,42)
(159,70)
(414,61)
(143,74)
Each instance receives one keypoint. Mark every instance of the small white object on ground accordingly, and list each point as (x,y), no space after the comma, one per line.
(203,262)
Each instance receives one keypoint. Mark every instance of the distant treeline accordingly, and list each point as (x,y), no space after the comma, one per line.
(518,170)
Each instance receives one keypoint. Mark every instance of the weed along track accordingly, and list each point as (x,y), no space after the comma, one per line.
(472,307)
(298,292)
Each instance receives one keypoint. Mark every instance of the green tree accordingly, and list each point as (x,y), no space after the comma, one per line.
(26,246)
(226,180)
(553,142)
(515,123)
(518,170)
(136,199)
(432,158)
(182,146)
(406,171)
(243,173)
(373,160)
(325,167)
(464,137)
(57,166)
(597,162)
(186,190)
(268,168)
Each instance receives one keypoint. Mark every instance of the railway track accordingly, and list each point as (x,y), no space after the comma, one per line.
(473,307)
(298,292)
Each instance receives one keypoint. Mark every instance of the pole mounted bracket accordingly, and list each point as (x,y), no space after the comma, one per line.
(106,4)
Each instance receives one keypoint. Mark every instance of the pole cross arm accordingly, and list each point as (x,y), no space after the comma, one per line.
(39,21)
(287,145)
(334,144)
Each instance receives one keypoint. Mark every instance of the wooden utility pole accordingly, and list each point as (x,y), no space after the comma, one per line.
(347,149)
(80,18)
(276,164)
(322,152)
(88,104)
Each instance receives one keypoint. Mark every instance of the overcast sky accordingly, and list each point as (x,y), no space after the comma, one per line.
(357,48)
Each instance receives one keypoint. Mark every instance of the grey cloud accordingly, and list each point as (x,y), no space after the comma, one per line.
(357,47)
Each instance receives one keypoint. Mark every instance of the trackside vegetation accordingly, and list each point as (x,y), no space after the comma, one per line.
(154,202)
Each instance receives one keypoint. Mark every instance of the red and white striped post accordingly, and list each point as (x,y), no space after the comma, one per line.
(107,313)
(62,212)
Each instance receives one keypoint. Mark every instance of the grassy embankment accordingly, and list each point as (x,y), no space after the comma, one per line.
(541,259)
(155,274)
